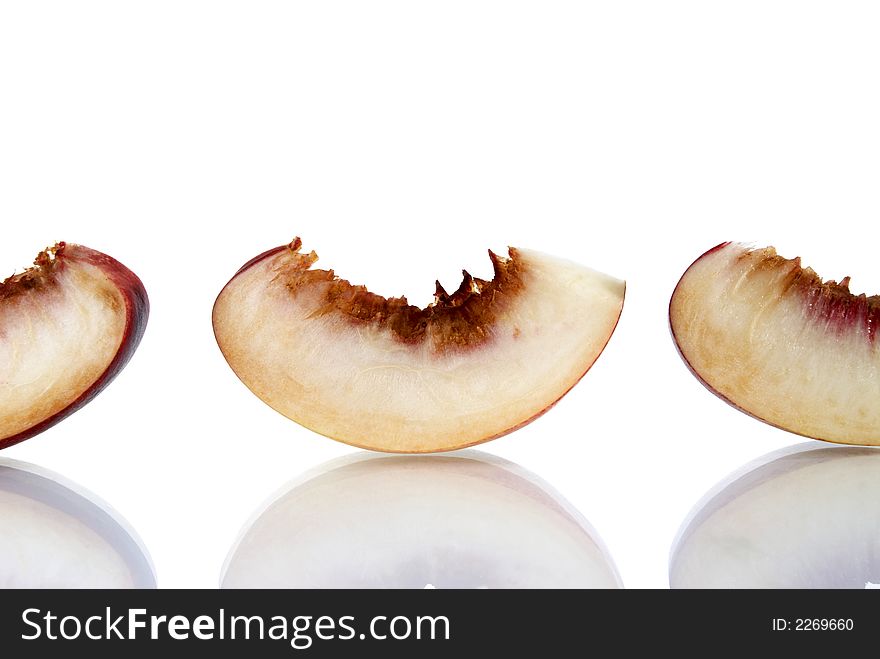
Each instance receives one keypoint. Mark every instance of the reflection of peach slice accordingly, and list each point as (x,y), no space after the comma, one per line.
(466,520)
(382,374)
(54,534)
(799,518)
(67,327)
(771,338)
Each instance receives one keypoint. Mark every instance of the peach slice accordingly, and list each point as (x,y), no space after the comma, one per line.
(771,338)
(381,374)
(68,326)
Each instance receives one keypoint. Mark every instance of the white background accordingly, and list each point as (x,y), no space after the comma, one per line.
(400,140)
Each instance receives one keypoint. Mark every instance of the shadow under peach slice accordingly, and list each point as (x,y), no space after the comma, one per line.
(68,326)
(382,374)
(773,339)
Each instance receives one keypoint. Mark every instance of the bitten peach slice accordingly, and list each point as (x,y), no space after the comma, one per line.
(382,374)
(771,338)
(68,326)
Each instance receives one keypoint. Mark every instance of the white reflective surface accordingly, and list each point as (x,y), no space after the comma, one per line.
(803,517)
(55,534)
(465,520)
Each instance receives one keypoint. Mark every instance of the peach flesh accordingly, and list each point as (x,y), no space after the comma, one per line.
(384,375)
(774,340)
(68,326)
